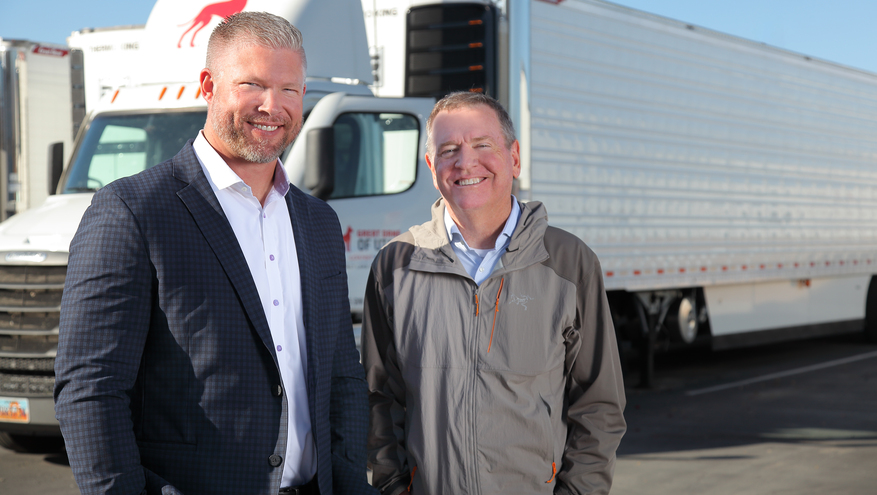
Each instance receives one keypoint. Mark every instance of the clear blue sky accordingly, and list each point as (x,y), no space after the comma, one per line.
(841,31)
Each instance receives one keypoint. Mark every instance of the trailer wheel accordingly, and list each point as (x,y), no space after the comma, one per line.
(681,321)
(31,444)
(871,311)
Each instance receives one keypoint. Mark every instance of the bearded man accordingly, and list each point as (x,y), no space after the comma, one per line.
(205,340)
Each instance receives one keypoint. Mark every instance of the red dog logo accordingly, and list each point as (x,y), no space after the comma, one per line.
(219,9)
(347,237)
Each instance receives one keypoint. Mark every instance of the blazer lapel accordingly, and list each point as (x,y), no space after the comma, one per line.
(207,212)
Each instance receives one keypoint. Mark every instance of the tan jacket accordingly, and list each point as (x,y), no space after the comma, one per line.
(511,387)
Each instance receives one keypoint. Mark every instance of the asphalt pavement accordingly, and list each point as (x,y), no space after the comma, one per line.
(796,418)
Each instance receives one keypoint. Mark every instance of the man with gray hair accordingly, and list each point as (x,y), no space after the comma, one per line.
(205,340)
(487,340)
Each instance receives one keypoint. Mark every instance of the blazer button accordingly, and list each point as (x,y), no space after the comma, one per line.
(275,460)
(278,390)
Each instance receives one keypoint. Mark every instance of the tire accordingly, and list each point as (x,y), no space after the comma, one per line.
(31,444)
(681,323)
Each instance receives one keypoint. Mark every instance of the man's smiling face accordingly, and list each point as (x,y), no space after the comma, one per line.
(473,167)
(255,103)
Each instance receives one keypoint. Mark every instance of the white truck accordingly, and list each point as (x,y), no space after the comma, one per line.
(727,186)
(36,110)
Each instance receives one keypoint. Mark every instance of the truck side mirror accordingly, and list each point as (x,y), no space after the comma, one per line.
(56,165)
(320,162)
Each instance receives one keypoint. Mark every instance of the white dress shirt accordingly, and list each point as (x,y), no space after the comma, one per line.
(266,239)
(480,263)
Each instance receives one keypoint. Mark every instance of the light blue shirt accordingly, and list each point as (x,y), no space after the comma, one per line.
(480,263)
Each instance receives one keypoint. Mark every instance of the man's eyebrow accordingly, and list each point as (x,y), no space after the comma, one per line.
(474,140)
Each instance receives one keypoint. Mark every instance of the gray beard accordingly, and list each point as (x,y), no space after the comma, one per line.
(253,152)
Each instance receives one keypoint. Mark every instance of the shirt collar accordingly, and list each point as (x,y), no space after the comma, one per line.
(501,239)
(221,176)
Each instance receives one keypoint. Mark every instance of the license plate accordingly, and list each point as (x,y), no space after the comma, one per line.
(14,410)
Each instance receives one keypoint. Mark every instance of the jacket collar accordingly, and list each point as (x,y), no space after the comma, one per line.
(525,248)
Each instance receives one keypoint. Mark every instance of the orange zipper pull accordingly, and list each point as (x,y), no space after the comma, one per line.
(410,483)
(476,304)
(553,472)
(495,312)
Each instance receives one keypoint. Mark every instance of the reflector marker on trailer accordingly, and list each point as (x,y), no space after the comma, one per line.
(727,268)
(116,94)
(163,91)
(182,88)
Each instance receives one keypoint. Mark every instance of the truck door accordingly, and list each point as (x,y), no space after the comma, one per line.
(364,155)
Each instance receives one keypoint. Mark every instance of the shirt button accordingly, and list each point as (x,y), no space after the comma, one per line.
(481,269)
(276,302)
(279,348)
(278,390)
(275,460)
(271,257)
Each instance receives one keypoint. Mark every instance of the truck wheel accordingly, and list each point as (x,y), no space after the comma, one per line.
(681,321)
(31,444)
(871,311)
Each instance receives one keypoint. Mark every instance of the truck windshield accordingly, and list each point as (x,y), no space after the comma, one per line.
(117,146)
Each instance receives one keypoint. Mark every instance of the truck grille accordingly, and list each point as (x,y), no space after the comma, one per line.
(30,298)
(30,311)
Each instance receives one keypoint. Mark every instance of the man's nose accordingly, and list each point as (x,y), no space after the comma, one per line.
(466,157)
(270,103)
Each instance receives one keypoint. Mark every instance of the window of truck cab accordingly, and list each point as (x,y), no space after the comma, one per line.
(119,145)
(374,154)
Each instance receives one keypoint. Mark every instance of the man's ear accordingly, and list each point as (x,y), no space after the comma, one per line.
(207,84)
(431,169)
(516,159)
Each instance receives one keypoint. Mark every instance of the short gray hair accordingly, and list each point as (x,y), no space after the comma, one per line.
(468,99)
(258,28)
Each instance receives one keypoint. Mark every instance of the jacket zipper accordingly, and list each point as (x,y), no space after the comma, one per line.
(495,312)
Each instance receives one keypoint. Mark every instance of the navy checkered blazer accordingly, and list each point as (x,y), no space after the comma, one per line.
(166,376)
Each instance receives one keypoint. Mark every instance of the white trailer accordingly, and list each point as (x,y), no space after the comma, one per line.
(35,110)
(729,188)
(110,59)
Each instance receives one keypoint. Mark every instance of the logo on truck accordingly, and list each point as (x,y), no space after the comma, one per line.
(363,244)
(218,9)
